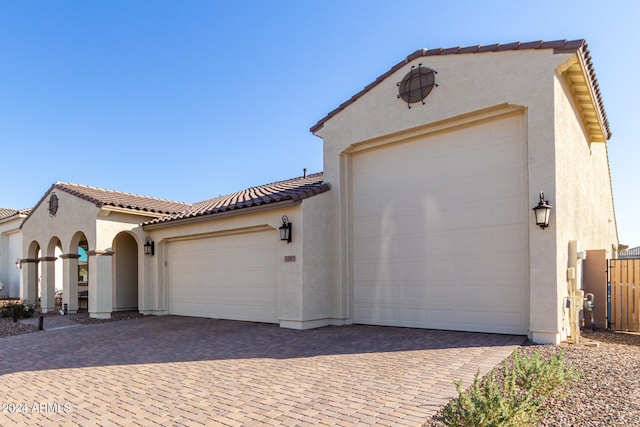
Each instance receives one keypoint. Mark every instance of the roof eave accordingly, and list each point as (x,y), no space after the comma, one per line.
(219,215)
(579,79)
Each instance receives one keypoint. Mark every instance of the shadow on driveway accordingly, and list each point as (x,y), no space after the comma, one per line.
(165,339)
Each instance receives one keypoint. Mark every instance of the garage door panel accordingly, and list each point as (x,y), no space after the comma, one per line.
(440,231)
(227,277)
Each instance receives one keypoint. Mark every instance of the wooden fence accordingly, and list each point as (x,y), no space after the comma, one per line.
(624,294)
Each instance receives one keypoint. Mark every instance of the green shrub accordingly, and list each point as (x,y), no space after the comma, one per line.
(516,401)
(545,378)
(23,310)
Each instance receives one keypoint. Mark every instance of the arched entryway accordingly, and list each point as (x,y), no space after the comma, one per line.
(75,294)
(125,277)
(50,274)
(31,275)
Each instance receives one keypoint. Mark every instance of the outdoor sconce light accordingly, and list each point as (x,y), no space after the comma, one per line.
(18,263)
(285,230)
(542,211)
(150,247)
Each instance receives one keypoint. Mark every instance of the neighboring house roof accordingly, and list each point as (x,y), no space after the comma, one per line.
(102,197)
(630,253)
(292,189)
(558,45)
(6,213)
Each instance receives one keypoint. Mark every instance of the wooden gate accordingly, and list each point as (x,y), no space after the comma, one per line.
(624,294)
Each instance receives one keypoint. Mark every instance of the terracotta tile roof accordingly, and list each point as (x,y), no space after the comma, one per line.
(101,197)
(559,45)
(8,213)
(292,189)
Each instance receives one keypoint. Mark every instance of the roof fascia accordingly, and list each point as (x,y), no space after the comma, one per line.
(106,210)
(37,205)
(564,71)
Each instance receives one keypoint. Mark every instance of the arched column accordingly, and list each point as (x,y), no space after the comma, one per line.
(100,284)
(70,282)
(29,280)
(48,292)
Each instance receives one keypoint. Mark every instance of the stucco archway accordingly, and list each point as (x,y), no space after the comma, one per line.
(31,275)
(75,293)
(125,274)
(50,264)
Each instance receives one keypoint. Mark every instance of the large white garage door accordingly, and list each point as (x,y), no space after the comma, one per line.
(440,230)
(228,277)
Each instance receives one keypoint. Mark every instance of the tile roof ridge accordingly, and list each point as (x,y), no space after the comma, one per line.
(309,176)
(294,189)
(60,183)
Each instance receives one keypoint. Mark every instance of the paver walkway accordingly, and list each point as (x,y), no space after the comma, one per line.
(179,371)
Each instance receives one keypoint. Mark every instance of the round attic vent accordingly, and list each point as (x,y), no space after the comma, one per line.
(416,85)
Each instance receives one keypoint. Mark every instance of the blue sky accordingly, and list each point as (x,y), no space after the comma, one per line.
(186,100)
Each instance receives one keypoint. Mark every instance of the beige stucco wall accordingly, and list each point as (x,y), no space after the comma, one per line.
(73,215)
(10,250)
(584,202)
(469,83)
(299,284)
(316,257)
(100,227)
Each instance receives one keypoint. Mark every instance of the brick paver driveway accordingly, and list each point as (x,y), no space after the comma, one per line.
(188,371)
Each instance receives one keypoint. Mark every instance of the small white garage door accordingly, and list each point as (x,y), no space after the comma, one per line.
(440,230)
(227,277)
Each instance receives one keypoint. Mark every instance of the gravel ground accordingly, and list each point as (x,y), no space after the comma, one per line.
(8,328)
(608,394)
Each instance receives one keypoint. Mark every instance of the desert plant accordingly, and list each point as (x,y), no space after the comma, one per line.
(516,400)
(546,378)
(23,310)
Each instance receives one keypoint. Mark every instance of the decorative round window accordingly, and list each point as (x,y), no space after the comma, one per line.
(417,85)
(53,204)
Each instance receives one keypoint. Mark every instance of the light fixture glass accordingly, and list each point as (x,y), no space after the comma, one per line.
(285,230)
(542,212)
(149,247)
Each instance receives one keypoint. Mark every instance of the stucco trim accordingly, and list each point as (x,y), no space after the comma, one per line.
(48,258)
(70,256)
(446,125)
(29,260)
(228,232)
(98,253)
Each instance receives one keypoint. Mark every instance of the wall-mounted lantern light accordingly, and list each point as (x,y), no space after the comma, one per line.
(542,211)
(285,229)
(149,247)
(18,263)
